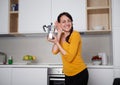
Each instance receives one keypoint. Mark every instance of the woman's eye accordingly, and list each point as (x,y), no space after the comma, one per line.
(69,21)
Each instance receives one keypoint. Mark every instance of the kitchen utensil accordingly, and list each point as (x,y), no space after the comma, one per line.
(50,30)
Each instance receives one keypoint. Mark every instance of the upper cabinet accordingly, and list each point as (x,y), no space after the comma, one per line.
(77,9)
(116,13)
(29,16)
(33,14)
(98,15)
(4,17)
(14,16)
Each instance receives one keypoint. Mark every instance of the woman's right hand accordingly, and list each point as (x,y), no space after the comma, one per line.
(58,27)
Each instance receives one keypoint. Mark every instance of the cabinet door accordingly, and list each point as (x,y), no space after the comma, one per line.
(116,46)
(5,76)
(116,72)
(4,16)
(33,14)
(100,77)
(115,13)
(77,9)
(29,76)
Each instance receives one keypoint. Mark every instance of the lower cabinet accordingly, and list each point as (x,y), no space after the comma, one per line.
(39,76)
(100,76)
(23,76)
(5,76)
(29,76)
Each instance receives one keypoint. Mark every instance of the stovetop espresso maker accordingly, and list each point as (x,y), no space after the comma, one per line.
(50,30)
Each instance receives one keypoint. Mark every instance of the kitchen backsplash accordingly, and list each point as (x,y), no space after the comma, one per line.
(40,47)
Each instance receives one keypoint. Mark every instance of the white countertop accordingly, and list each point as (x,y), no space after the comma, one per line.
(49,66)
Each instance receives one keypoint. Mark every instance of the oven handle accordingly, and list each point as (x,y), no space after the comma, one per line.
(58,79)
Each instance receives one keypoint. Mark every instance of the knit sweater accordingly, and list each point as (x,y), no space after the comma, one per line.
(72,60)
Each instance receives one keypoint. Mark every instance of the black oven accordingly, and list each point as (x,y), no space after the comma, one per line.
(56,77)
(56,81)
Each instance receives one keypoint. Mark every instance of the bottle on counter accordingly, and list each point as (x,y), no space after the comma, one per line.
(10,60)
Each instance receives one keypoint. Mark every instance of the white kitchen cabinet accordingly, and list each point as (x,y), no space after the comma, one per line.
(100,76)
(5,76)
(116,13)
(33,14)
(4,9)
(29,76)
(117,72)
(77,9)
(23,76)
(116,46)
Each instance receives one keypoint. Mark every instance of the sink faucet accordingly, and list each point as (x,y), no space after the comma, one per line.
(5,57)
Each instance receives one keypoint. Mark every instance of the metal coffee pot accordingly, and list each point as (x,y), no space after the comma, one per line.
(50,30)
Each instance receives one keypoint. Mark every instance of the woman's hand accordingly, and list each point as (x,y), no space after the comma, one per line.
(58,27)
(54,40)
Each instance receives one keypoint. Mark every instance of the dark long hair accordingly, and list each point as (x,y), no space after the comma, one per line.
(70,17)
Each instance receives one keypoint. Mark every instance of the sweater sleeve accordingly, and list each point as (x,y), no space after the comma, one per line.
(73,47)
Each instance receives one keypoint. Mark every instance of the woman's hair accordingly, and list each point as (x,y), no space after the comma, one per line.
(70,17)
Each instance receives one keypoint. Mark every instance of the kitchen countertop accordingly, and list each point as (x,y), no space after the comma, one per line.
(49,66)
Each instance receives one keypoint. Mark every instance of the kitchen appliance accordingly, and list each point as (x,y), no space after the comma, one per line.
(56,76)
(3,57)
(50,30)
(104,58)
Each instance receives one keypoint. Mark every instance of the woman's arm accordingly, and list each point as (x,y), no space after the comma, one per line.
(55,48)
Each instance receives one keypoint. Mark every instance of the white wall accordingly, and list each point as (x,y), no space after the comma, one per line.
(40,47)
(20,46)
(93,44)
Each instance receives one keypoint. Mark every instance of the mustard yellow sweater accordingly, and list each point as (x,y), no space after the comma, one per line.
(72,61)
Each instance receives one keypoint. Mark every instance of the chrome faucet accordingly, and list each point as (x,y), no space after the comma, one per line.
(4,57)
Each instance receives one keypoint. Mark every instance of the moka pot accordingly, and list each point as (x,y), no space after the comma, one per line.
(50,30)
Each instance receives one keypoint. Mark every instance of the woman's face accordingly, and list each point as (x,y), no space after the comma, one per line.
(66,23)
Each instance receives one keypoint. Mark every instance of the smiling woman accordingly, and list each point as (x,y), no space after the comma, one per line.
(69,44)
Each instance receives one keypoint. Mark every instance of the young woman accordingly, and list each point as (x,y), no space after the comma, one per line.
(68,43)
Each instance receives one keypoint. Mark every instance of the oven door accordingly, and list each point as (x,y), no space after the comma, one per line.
(57,81)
